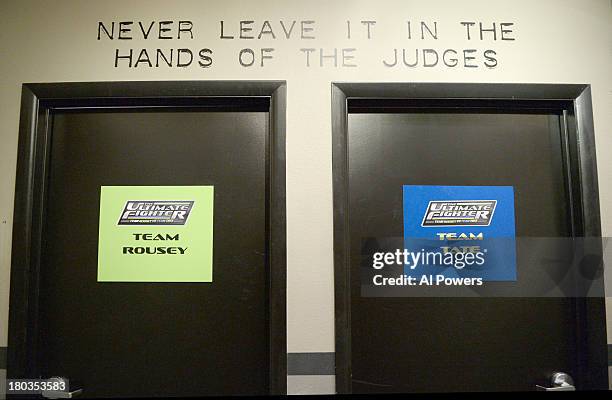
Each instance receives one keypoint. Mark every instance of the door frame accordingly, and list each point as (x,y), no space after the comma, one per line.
(580,167)
(38,100)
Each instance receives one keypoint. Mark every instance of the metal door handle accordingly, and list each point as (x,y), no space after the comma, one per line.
(559,382)
(60,394)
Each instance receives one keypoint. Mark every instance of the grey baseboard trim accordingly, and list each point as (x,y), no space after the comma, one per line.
(311,363)
(610,356)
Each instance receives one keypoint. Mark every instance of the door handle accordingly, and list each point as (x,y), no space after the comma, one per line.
(61,394)
(559,382)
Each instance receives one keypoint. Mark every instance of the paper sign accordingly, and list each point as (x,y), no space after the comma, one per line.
(471,227)
(156,234)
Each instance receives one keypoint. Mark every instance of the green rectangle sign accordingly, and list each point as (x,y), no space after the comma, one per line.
(156,234)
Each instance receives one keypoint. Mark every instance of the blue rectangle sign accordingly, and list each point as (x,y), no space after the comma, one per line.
(461,231)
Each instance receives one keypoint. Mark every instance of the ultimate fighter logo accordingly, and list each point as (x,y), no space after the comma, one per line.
(459,213)
(153,212)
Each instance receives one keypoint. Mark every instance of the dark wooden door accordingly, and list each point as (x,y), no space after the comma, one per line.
(456,344)
(146,339)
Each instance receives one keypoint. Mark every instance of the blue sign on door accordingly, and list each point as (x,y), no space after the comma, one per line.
(460,231)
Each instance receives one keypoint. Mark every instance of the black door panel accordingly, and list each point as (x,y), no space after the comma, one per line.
(157,339)
(455,344)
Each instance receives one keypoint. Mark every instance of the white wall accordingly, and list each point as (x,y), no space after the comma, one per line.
(557,41)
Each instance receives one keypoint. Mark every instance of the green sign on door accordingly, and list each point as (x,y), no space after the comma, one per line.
(156,234)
